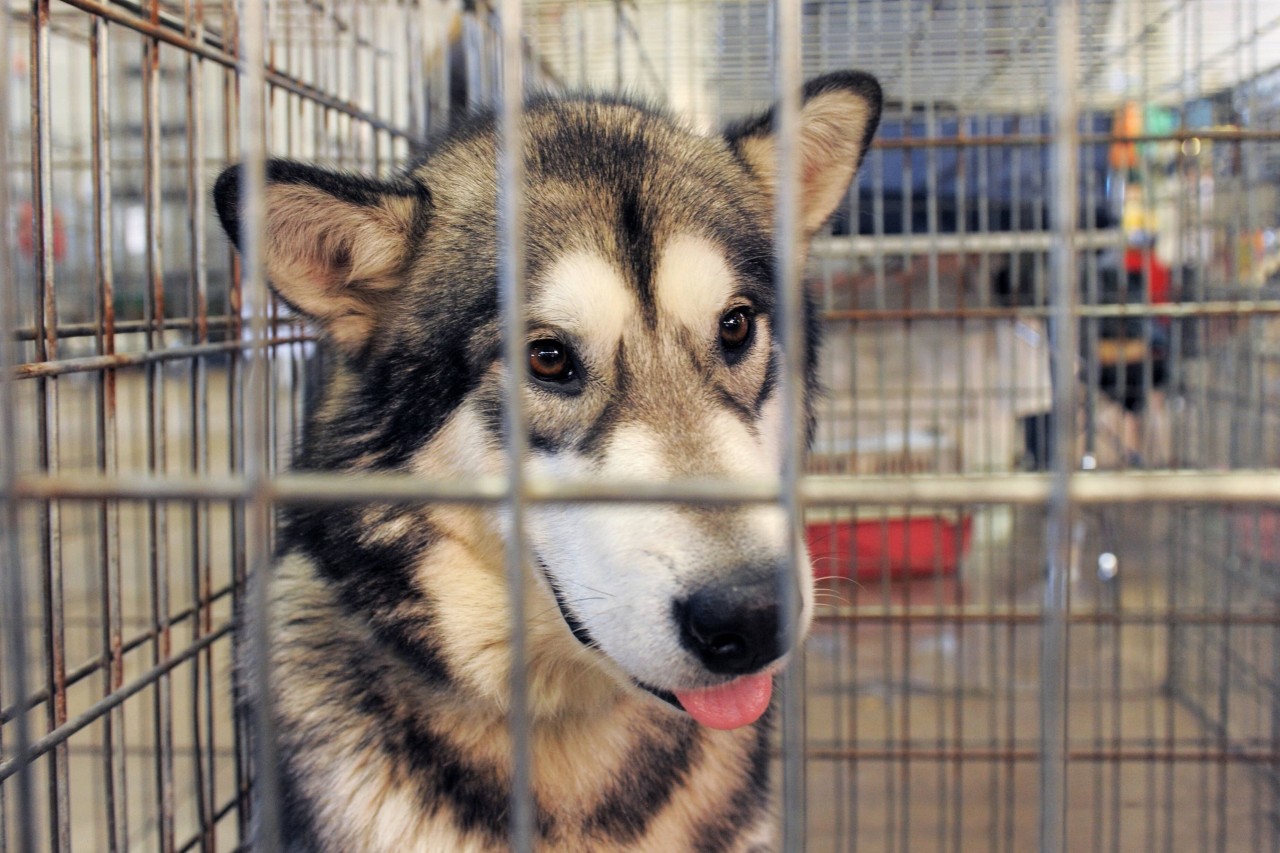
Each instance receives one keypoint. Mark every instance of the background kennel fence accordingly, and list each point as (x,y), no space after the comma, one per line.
(1015,651)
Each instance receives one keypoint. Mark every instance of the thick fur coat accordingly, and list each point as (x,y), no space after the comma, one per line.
(653,631)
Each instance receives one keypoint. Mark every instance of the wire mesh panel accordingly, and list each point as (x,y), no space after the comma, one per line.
(1041,502)
(931,730)
(127,313)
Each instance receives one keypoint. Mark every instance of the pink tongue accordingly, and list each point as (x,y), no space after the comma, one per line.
(738,703)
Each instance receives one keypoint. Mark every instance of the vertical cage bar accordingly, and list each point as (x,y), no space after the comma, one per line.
(511,288)
(1058,545)
(115,777)
(13,588)
(962,414)
(157,431)
(618,77)
(202,685)
(47,420)
(243,722)
(255,399)
(911,30)
(791,302)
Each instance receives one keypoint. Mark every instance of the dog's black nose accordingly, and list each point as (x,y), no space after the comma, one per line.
(733,629)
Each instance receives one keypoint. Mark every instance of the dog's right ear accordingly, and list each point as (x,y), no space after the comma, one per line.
(333,244)
(839,113)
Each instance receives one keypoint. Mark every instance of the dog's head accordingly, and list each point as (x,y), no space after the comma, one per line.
(652,355)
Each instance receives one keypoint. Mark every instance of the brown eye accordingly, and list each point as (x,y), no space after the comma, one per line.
(550,361)
(735,329)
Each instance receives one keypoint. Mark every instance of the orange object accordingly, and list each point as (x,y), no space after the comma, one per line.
(1128,122)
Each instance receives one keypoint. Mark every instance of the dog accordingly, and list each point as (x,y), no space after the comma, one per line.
(653,631)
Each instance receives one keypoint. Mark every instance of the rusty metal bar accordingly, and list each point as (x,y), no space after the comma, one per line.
(200,839)
(1032,755)
(1219,308)
(115,776)
(106,661)
(1242,308)
(92,329)
(202,682)
(44,369)
(231,140)
(157,434)
(48,448)
(163,30)
(58,737)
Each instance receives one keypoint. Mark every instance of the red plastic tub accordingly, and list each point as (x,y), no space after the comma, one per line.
(905,545)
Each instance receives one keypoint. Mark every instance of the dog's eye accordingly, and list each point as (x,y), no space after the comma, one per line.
(551,361)
(735,329)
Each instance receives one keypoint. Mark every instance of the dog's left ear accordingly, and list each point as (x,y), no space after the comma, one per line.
(839,114)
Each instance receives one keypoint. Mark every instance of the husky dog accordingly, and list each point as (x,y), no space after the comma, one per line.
(653,631)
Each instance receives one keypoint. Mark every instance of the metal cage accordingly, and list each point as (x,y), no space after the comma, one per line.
(1043,501)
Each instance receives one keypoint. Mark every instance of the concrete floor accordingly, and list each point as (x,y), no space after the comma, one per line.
(943,715)
(922,709)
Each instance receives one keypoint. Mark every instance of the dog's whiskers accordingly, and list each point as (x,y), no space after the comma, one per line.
(584,586)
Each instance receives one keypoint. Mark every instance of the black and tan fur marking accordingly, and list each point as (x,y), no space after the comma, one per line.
(389,627)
